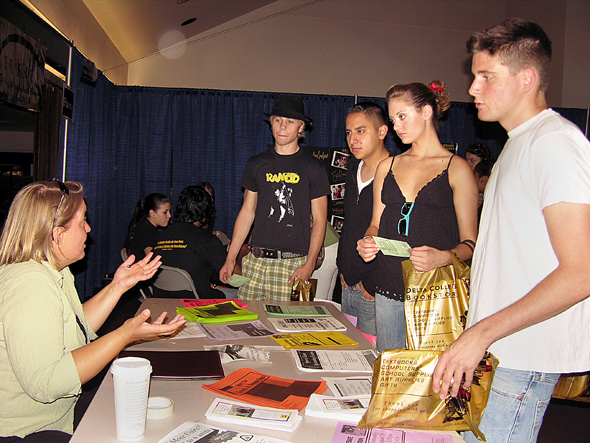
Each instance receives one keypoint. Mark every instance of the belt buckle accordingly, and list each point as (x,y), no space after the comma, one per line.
(270,253)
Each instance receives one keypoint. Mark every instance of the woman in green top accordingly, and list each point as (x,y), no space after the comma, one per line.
(49,347)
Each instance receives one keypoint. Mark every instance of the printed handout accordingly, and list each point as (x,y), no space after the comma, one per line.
(229,353)
(334,360)
(349,433)
(396,248)
(349,386)
(191,432)
(297,310)
(297,324)
(236,331)
(314,340)
(266,390)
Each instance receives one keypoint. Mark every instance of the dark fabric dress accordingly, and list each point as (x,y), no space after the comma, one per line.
(433,222)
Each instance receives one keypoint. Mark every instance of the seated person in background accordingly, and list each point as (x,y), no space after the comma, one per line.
(151,212)
(48,344)
(188,245)
(220,235)
(482,173)
(327,273)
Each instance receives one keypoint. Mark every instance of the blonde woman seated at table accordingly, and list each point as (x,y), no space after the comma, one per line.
(49,347)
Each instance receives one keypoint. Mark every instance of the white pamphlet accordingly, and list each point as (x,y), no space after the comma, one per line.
(236,331)
(229,353)
(191,432)
(337,408)
(334,360)
(350,386)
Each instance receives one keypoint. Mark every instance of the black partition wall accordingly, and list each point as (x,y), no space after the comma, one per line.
(125,142)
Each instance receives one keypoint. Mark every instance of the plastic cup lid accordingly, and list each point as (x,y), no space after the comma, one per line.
(135,364)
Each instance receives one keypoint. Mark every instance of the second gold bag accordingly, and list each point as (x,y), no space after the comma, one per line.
(436,304)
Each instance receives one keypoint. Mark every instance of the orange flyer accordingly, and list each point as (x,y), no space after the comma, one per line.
(260,389)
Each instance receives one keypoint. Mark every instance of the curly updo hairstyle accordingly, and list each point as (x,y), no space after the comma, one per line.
(420,95)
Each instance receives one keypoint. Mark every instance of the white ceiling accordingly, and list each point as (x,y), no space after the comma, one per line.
(136,26)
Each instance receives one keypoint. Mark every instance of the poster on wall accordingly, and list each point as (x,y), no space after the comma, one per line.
(22,67)
(336,163)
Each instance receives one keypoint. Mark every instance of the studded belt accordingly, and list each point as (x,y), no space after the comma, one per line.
(273,253)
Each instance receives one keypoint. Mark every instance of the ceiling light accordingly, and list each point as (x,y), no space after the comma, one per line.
(188,22)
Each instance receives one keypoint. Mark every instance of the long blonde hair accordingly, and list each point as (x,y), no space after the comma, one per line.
(36,210)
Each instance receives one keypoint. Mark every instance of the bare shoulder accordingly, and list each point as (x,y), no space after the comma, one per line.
(459,166)
(460,172)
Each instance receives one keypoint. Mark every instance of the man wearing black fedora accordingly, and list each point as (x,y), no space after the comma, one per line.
(285,187)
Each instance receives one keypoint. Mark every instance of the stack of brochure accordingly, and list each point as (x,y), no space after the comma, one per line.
(217,313)
(337,408)
(245,414)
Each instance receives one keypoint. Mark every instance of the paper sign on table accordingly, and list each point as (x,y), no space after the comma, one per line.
(314,340)
(396,248)
(295,324)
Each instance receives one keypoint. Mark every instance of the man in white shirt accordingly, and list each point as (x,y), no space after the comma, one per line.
(531,274)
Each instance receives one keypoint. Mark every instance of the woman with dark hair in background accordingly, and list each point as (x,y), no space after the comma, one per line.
(476,153)
(151,212)
(425,196)
(220,235)
(188,244)
(48,344)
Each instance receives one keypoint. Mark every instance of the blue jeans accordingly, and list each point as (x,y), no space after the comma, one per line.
(516,406)
(390,320)
(354,304)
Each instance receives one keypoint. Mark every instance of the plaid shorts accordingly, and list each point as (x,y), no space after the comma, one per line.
(269,277)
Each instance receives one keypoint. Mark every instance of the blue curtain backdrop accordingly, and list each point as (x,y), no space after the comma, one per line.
(125,142)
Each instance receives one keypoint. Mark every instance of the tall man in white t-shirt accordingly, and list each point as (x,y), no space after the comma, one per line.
(531,273)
